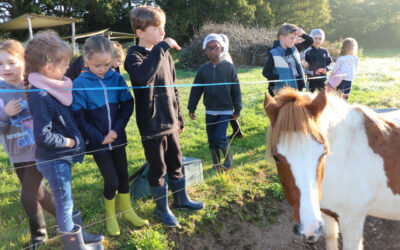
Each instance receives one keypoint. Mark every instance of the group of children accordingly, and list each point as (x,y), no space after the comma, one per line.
(45,131)
(284,66)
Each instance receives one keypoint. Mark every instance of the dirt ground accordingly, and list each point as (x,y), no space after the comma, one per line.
(232,233)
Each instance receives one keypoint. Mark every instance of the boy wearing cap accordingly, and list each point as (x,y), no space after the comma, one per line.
(319,61)
(158,111)
(221,101)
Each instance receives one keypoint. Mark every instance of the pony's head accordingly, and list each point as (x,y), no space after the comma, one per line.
(298,147)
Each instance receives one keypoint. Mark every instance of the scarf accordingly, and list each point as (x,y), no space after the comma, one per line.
(53,87)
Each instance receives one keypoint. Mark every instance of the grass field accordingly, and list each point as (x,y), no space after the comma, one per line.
(253,181)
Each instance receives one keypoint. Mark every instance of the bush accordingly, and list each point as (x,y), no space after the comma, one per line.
(247,46)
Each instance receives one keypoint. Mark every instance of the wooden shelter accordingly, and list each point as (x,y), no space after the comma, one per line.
(36,21)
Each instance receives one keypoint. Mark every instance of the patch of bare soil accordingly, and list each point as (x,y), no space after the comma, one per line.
(231,232)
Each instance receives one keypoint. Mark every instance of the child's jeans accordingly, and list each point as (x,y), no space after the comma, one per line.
(58,175)
(216,130)
(345,88)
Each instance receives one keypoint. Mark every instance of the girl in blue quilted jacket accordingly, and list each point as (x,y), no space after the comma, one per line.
(102,116)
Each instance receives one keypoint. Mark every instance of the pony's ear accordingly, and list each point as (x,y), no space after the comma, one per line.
(318,104)
(271,108)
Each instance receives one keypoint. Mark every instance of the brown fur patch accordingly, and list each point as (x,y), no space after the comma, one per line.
(292,192)
(331,214)
(388,147)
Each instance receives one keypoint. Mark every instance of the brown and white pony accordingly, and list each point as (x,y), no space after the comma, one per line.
(337,163)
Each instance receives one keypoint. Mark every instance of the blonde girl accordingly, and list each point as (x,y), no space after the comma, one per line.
(59,142)
(16,134)
(346,65)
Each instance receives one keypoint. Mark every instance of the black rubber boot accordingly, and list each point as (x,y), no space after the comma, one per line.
(181,199)
(87,237)
(74,241)
(216,158)
(227,156)
(37,226)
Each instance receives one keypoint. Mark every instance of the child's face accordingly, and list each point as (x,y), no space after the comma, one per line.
(288,40)
(213,51)
(317,41)
(11,68)
(116,62)
(151,35)
(99,63)
(56,70)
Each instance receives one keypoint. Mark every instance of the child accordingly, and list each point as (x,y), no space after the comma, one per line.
(117,56)
(58,141)
(222,102)
(158,112)
(346,64)
(283,60)
(76,67)
(16,133)
(102,117)
(319,61)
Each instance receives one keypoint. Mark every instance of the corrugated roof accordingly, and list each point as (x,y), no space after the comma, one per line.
(37,21)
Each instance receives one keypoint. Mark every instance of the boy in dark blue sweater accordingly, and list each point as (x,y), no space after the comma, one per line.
(222,102)
(319,61)
(158,111)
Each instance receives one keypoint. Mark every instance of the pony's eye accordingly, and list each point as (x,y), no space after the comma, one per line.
(275,158)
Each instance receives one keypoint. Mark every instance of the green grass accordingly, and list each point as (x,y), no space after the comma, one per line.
(248,191)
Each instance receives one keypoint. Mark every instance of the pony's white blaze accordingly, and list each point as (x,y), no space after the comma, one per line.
(303,153)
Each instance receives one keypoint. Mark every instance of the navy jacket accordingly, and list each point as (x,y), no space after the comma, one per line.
(317,58)
(99,111)
(158,109)
(217,98)
(52,124)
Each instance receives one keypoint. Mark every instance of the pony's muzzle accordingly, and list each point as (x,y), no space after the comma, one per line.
(297,230)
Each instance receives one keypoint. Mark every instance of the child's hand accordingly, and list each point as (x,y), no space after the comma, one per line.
(192,116)
(299,32)
(172,43)
(235,116)
(110,137)
(70,143)
(13,107)
(112,134)
(320,71)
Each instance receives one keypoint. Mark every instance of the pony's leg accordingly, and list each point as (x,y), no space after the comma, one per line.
(351,228)
(330,232)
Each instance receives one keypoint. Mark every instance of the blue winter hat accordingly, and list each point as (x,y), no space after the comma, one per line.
(318,32)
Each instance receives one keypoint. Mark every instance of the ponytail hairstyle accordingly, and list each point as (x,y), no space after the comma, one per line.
(349,47)
(96,44)
(46,47)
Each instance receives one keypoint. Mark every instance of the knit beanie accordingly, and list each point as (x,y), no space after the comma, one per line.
(318,32)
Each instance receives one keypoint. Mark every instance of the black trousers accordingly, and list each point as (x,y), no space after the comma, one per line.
(316,84)
(164,156)
(34,196)
(113,167)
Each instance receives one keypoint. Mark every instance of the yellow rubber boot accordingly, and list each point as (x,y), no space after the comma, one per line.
(111,218)
(125,208)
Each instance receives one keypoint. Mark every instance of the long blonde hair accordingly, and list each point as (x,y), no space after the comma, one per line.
(349,47)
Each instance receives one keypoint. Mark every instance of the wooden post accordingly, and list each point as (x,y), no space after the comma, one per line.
(28,19)
(73,38)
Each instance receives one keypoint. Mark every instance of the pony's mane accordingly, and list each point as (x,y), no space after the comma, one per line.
(293,117)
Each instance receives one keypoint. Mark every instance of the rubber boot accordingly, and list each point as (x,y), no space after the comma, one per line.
(37,226)
(111,218)
(227,155)
(236,130)
(125,207)
(216,158)
(160,195)
(74,241)
(87,237)
(181,199)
